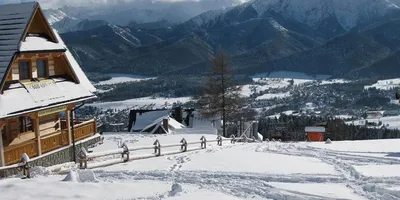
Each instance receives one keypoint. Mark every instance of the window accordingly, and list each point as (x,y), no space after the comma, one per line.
(24,71)
(26,124)
(3,134)
(41,68)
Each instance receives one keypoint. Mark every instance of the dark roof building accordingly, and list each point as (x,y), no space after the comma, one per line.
(14,20)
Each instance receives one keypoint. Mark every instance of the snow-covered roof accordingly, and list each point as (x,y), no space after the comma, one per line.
(154,118)
(315,129)
(29,97)
(38,44)
(147,118)
(83,80)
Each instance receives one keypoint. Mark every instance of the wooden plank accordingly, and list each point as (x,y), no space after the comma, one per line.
(12,154)
(52,142)
(2,160)
(15,72)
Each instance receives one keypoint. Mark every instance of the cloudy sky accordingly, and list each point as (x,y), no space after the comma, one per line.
(59,3)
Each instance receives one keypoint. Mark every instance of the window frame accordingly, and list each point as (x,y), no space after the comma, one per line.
(46,67)
(4,134)
(23,125)
(29,69)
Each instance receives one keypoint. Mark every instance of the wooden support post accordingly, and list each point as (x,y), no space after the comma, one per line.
(37,133)
(68,113)
(2,160)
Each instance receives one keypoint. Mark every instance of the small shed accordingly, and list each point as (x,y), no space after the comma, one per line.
(315,133)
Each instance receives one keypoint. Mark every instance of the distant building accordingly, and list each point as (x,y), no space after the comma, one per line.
(315,133)
(159,121)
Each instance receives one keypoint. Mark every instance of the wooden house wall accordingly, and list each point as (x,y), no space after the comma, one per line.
(39,26)
(56,66)
(49,124)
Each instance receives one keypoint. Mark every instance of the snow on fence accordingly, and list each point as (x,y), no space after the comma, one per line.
(125,151)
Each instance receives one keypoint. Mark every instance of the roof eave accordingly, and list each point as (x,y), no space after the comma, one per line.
(45,51)
(18,113)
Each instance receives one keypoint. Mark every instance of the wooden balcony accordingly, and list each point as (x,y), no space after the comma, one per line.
(12,154)
(50,142)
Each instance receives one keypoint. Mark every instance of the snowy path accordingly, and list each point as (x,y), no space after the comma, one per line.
(344,163)
(274,170)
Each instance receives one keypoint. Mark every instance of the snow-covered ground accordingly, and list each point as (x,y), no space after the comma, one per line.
(392,122)
(281,79)
(140,102)
(334,81)
(271,170)
(274,95)
(122,78)
(385,84)
(291,75)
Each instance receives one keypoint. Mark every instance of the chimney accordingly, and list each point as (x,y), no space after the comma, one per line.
(165,125)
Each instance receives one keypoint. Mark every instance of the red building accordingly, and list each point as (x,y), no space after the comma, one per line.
(315,134)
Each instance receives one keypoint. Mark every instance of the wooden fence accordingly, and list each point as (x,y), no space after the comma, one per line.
(125,151)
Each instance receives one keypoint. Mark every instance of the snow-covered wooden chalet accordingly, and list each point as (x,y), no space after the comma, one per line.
(40,82)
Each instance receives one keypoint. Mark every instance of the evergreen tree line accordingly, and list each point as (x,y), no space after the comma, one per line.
(165,86)
(292,128)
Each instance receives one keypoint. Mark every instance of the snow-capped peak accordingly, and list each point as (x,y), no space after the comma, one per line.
(313,12)
(54,16)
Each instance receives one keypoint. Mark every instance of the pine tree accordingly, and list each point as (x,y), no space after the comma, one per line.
(219,96)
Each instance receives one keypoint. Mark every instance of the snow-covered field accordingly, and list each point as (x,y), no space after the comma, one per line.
(140,102)
(392,122)
(281,79)
(385,84)
(272,96)
(122,78)
(316,171)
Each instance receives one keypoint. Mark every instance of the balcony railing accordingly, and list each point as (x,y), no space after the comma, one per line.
(54,141)
(85,129)
(12,154)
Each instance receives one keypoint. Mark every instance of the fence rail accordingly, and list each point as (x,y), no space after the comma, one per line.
(125,151)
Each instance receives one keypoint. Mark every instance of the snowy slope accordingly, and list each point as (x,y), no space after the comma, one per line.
(314,12)
(351,170)
(122,12)
(140,102)
(122,78)
(385,84)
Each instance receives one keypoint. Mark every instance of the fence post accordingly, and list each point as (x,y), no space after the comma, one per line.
(157,148)
(244,137)
(219,140)
(125,152)
(82,156)
(183,145)
(203,142)
(25,165)
(233,139)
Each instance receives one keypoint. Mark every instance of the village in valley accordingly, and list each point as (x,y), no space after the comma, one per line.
(72,133)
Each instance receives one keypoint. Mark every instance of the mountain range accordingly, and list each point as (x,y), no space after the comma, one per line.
(346,38)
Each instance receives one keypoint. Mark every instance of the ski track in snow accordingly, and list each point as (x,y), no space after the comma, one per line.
(249,185)
(260,184)
(363,186)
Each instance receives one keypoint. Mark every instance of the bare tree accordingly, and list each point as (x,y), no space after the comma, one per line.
(220,97)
